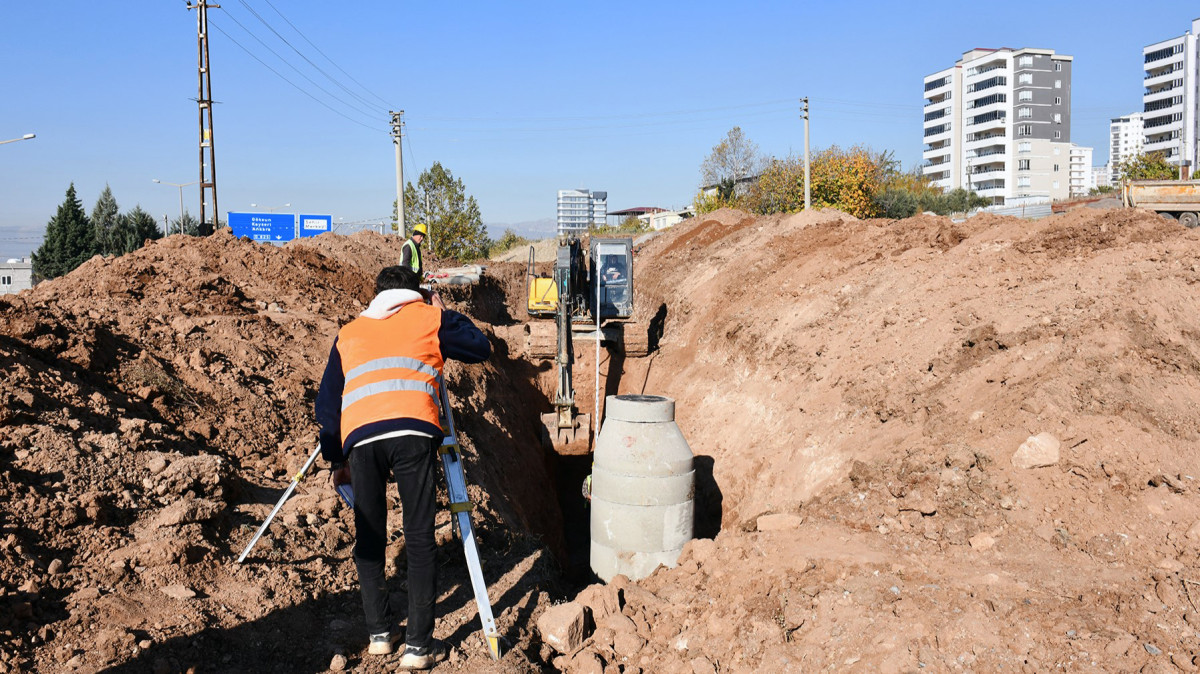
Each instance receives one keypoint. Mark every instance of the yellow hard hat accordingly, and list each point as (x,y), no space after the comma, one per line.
(419,228)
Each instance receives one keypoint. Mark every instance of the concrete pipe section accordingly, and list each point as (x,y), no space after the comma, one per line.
(643,485)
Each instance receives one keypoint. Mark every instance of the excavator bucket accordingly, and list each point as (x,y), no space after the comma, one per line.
(570,441)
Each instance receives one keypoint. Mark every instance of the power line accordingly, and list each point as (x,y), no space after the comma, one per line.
(288,64)
(308,60)
(298,87)
(314,46)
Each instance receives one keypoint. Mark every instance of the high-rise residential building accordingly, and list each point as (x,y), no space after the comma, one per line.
(1102,176)
(1169,104)
(580,209)
(1125,140)
(999,123)
(1080,171)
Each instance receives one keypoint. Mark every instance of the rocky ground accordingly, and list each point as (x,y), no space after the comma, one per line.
(922,445)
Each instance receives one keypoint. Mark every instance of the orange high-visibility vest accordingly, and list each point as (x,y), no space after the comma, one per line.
(391,367)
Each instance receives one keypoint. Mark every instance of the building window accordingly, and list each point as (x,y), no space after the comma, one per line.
(1023,182)
(1026,129)
(1055,184)
(1057,134)
(1025,95)
(1057,118)
(1058,100)
(1058,84)
(1025,112)
(1026,61)
(1056,168)
(1022,164)
(1057,67)
(1025,78)
(1024,146)
(6,280)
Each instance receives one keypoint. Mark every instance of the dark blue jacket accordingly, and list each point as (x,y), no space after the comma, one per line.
(458,338)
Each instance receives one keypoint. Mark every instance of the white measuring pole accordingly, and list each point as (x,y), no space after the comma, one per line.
(599,336)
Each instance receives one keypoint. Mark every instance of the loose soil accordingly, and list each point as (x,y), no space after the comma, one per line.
(854,392)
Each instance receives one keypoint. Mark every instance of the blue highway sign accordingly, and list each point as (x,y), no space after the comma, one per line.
(263,226)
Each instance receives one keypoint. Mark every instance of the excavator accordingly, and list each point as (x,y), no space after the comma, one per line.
(590,297)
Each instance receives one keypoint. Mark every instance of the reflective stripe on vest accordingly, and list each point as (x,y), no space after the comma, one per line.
(391,367)
(415,259)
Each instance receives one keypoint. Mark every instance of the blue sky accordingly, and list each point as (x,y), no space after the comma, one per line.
(517,99)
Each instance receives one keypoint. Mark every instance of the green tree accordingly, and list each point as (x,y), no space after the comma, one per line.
(105,215)
(132,231)
(440,200)
(70,240)
(1147,166)
(189,224)
(732,159)
(507,242)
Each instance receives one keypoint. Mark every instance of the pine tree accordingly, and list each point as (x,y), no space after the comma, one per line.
(70,240)
(132,231)
(105,215)
(440,201)
(189,225)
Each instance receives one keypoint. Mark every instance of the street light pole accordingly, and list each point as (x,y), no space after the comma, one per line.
(180,186)
(25,137)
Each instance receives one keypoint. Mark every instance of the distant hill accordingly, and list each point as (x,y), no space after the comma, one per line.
(530,229)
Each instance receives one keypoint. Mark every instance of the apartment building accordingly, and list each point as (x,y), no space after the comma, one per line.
(1169,103)
(1125,140)
(1079,171)
(999,123)
(580,209)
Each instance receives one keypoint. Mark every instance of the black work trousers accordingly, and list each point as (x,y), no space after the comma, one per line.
(411,460)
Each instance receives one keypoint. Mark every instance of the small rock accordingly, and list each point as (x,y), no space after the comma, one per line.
(156,465)
(701,665)
(627,644)
(338,663)
(75,662)
(178,591)
(1037,451)
(982,542)
(338,625)
(1193,532)
(55,567)
(585,662)
(562,627)
(1152,649)
(145,643)
(779,522)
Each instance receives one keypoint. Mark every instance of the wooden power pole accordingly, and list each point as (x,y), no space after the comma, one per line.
(208,160)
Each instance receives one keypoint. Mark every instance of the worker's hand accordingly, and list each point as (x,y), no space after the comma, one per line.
(340,476)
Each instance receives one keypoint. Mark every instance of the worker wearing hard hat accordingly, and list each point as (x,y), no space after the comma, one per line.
(411,255)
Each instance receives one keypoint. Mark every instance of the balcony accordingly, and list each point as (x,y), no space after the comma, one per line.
(940,151)
(937,130)
(1162,104)
(977,140)
(1163,71)
(937,84)
(935,99)
(1162,90)
(937,114)
(999,150)
(987,84)
(1165,52)
(987,100)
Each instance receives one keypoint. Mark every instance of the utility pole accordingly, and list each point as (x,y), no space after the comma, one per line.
(397,134)
(807,186)
(208,170)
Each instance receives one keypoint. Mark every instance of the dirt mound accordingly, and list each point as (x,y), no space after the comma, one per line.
(862,388)
(155,405)
(921,444)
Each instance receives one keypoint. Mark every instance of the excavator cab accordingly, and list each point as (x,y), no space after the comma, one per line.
(612,260)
